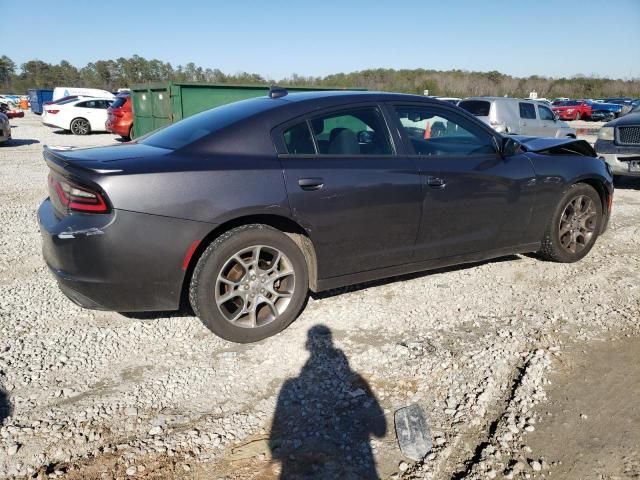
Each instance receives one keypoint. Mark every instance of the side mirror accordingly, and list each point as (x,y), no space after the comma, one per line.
(365,137)
(509,147)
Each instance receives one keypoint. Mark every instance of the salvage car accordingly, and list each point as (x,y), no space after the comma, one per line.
(120,116)
(244,208)
(81,116)
(618,143)
(517,117)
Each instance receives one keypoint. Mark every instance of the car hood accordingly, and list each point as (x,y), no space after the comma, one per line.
(629,119)
(557,146)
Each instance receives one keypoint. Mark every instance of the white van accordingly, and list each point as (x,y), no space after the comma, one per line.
(60,92)
(517,117)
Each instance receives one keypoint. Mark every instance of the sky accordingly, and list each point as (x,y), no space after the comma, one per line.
(276,38)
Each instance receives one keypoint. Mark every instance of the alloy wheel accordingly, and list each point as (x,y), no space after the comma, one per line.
(80,127)
(577,224)
(255,286)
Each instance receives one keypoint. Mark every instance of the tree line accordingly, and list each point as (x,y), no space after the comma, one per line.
(124,72)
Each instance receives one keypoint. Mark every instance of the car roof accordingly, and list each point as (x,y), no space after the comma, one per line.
(352,96)
(501,99)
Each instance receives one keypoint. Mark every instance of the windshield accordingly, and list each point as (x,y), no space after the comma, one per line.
(479,108)
(194,128)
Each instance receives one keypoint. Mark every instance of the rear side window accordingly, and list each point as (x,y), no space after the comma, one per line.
(359,131)
(194,128)
(527,110)
(479,108)
(298,140)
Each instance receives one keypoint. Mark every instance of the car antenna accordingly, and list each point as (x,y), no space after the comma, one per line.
(277,92)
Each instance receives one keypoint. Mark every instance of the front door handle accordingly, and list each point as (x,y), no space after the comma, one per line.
(315,183)
(436,182)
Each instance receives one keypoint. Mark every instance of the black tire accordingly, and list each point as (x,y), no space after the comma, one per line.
(80,126)
(129,137)
(202,290)
(552,242)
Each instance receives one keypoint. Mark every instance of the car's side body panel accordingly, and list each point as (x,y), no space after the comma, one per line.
(363,223)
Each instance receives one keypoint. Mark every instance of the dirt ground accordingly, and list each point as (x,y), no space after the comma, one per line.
(590,427)
(101,395)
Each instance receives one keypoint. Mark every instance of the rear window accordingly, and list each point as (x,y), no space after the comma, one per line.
(202,124)
(479,108)
(119,101)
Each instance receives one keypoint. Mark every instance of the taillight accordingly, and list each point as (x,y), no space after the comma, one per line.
(76,197)
(52,111)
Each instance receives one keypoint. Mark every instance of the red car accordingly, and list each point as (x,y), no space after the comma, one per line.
(573,110)
(120,116)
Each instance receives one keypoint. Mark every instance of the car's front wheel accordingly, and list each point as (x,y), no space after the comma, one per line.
(250,283)
(80,126)
(574,225)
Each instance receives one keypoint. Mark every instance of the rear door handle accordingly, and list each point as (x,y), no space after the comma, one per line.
(315,183)
(436,182)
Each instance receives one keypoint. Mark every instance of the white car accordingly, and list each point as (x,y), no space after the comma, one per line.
(5,129)
(81,115)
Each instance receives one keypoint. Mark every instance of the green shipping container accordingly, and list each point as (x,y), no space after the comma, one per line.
(159,104)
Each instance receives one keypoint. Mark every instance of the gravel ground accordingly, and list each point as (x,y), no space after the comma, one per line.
(101,395)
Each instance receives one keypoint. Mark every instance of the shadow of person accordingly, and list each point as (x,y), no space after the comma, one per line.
(5,405)
(325,416)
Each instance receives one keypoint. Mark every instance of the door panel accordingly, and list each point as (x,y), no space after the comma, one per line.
(482,203)
(548,125)
(364,216)
(529,122)
(473,199)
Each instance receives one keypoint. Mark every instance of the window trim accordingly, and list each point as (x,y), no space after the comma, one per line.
(277,133)
(408,146)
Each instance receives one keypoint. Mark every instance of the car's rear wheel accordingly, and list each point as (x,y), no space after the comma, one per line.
(80,126)
(249,284)
(574,225)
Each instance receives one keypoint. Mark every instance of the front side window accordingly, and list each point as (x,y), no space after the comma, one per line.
(527,110)
(545,113)
(435,132)
(359,131)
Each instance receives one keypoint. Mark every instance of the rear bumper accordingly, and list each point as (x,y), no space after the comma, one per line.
(119,127)
(122,261)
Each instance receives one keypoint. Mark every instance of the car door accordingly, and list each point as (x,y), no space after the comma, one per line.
(473,199)
(548,123)
(358,200)
(99,114)
(82,110)
(529,124)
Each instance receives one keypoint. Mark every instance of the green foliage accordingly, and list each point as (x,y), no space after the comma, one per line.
(124,72)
